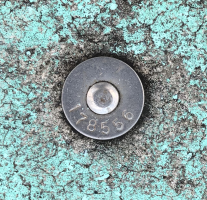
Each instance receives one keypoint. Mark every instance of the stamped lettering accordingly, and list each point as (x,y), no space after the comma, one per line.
(106,128)
(119,125)
(75,108)
(84,117)
(92,125)
(127,115)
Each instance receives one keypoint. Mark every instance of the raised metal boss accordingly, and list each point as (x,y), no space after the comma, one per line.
(103,98)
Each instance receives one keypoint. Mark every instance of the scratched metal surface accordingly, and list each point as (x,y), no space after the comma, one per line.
(76,107)
(162,157)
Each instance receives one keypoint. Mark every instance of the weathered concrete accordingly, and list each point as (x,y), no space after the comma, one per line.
(163,157)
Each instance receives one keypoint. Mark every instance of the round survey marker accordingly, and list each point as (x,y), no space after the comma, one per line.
(102,98)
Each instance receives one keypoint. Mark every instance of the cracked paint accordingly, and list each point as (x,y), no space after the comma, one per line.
(163,157)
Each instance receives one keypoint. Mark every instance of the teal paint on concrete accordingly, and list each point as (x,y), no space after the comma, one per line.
(25,172)
(113,6)
(39,27)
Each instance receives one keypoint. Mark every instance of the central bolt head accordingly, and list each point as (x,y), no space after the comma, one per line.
(102,98)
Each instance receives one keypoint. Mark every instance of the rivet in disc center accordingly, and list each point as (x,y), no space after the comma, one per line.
(102,98)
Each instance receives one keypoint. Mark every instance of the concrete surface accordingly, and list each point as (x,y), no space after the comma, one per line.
(163,157)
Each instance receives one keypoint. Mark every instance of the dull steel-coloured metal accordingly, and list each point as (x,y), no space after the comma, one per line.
(103,98)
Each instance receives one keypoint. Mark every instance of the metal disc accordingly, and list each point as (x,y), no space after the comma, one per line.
(103,98)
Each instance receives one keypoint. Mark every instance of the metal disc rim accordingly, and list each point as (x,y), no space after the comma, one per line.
(120,134)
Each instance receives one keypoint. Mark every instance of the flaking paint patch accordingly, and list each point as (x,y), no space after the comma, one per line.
(28,33)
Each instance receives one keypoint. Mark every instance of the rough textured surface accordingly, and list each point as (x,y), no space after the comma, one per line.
(163,157)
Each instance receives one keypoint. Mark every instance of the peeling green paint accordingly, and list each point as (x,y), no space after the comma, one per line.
(29,32)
